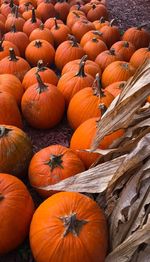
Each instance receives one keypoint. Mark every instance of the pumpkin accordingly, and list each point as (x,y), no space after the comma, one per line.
(96,12)
(107,57)
(70,83)
(27,14)
(94,44)
(74,16)
(51,22)
(62,10)
(42,105)
(81,27)
(16,209)
(59,32)
(72,51)
(72,220)
(9,115)
(137,36)
(116,88)
(42,33)
(14,20)
(100,23)
(117,71)
(7,7)
(18,144)
(40,49)
(19,39)
(124,49)
(51,165)
(2,18)
(139,56)
(12,85)
(79,7)
(4,48)
(15,65)
(90,67)
(90,35)
(47,75)
(32,2)
(87,131)
(46,10)
(86,103)
(31,23)
(111,33)
(25,8)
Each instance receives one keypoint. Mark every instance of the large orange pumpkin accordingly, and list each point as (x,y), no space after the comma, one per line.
(106,57)
(69,227)
(60,32)
(31,23)
(15,150)
(81,27)
(111,34)
(51,165)
(94,44)
(42,33)
(16,209)
(124,49)
(140,56)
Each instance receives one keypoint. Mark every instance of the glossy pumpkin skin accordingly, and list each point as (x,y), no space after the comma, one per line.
(74,16)
(40,49)
(96,12)
(66,52)
(42,33)
(9,115)
(137,36)
(18,144)
(51,165)
(12,85)
(60,33)
(70,83)
(94,44)
(111,34)
(81,27)
(117,71)
(43,105)
(115,88)
(49,23)
(62,10)
(124,49)
(140,56)
(51,241)
(85,104)
(107,57)
(16,209)
(47,75)
(90,35)
(46,10)
(87,131)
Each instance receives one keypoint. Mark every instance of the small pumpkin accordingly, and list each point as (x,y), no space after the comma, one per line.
(70,83)
(31,23)
(94,44)
(111,33)
(51,165)
(16,209)
(74,16)
(81,27)
(62,10)
(86,103)
(42,33)
(40,49)
(18,144)
(50,22)
(14,20)
(4,48)
(124,49)
(59,32)
(96,12)
(117,71)
(107,57)
(90,35)
(42,105)
(116,88)
(100,23)
(139,56)
(72,219)
(46,10)
(47,75)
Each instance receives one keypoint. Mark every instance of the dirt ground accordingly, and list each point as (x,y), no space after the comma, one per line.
(127,13)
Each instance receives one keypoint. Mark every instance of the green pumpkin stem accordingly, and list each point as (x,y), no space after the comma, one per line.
(56,24)
(81,72)
(73,40)
(4,131)
(12,55)
(33,18)
(41,86)
(72,224)
(97,86)
(55,161)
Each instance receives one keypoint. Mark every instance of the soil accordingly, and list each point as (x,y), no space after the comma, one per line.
(127,14)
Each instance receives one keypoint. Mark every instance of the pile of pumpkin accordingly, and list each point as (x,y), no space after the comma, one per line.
(94,60)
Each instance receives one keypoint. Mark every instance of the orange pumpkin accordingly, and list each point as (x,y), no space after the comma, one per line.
(111,33)
(70,83)
(16,209)
(81,27)
(62,10)
(18,144)
(87,132)
(100,23)
(31,23)
(46,10)
(94,44)
(14,20)
(4,48)
(117,71)
(139,56)
(90,35)
(47,75)
(73,220)
(74,16)
(115,88)
(42,105)
(42,33)
(96,12)
(49,23)
(40,49)
(51,165)
(124,49)
(86,103)
(107,57)
(59,32)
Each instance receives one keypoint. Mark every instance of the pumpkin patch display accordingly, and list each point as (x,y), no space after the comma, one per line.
(71,220)
(16,209)
(51,165)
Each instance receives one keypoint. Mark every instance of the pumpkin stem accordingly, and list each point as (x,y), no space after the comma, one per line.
(56,24)
(1,197)
(55,161)
(73,40)
(27,6)
(33,18)
(141,26)
(125,65)
(81,72)
(13,29)
(94,40)
(126,44)
(13,10)
(78,5)
(77,15)
(97,86)
(102,20)
(93,6)
(121,86)
(1,43)
(112,22)
(4,131)
(12,56)
(96,32)
(103,108)
(83,59)
(16,12)
(112,51)
(11,4)
(41,86)
(72,224)
(41,26)
(38,43)
(40,66)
